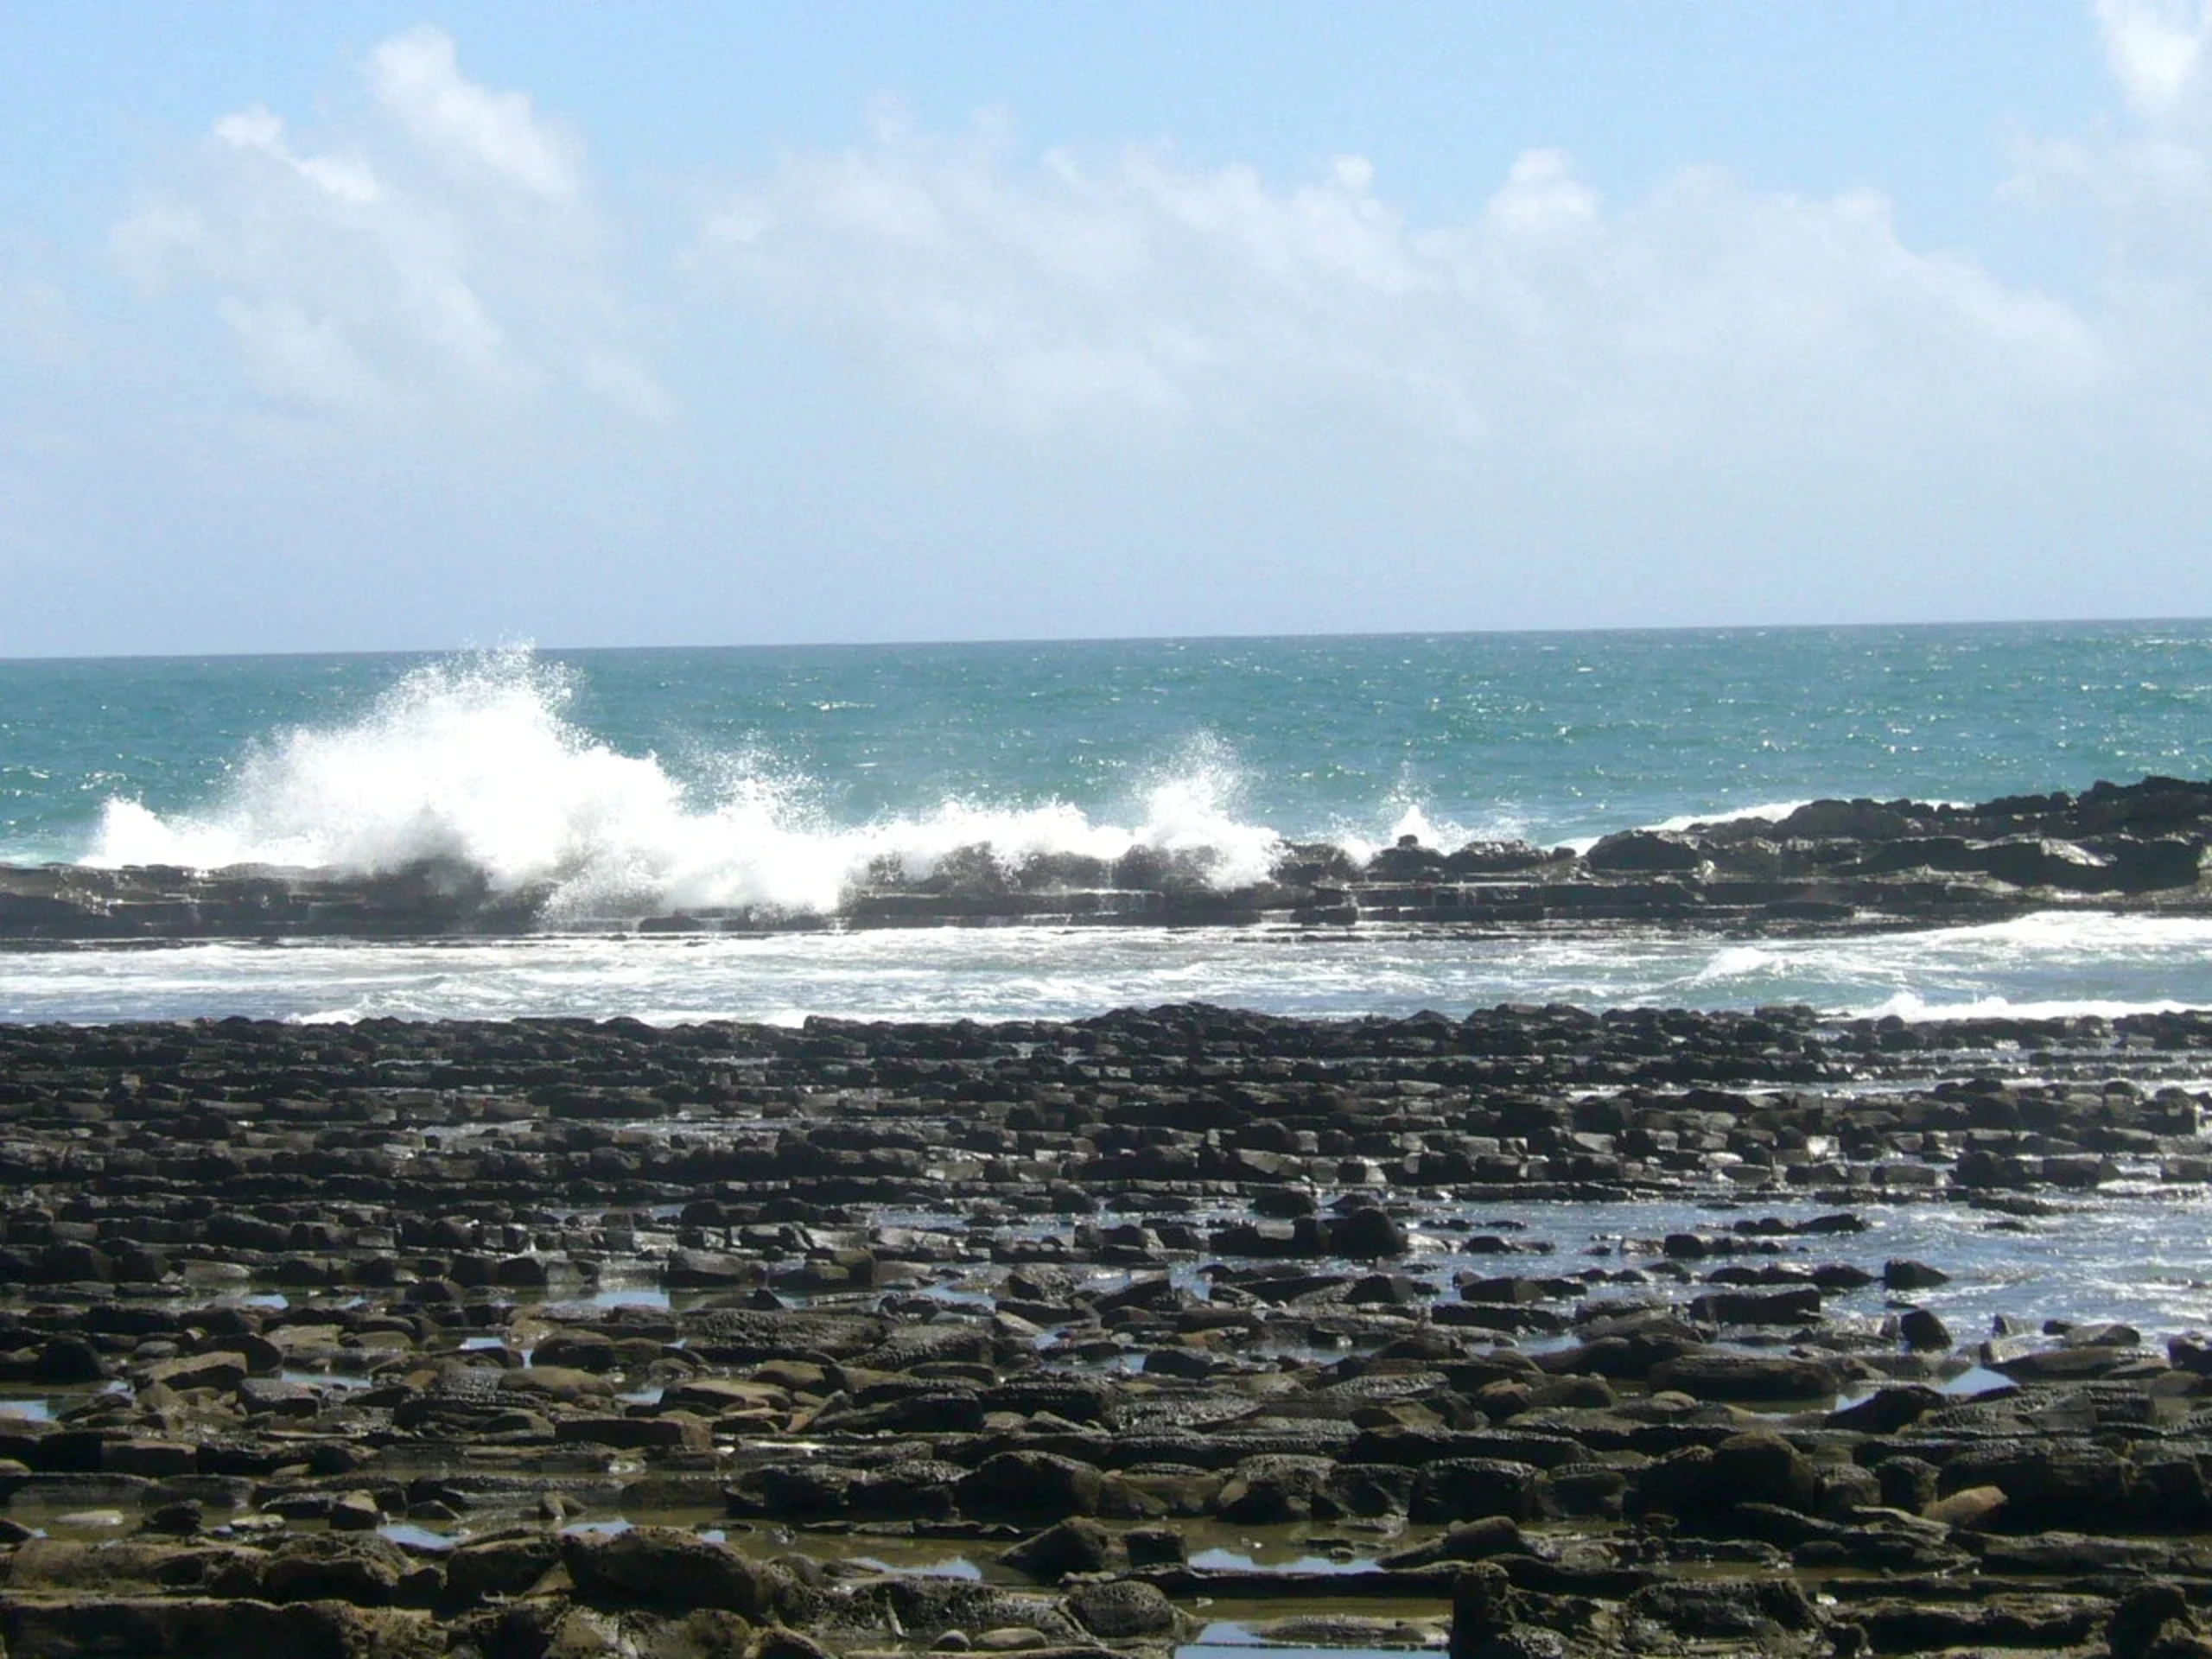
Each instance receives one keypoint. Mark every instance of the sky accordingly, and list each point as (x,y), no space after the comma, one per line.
(361,327)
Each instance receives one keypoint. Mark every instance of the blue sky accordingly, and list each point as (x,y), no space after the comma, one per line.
(368,325)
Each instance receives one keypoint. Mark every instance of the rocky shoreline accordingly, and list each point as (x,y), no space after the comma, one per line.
(552,1338)
(1830,866)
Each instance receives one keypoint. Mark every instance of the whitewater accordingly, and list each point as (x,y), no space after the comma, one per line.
(474,761)
(626,783)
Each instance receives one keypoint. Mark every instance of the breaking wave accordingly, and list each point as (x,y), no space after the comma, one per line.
(1773,812)
(1914,1008)
(476,760)
(2046,965)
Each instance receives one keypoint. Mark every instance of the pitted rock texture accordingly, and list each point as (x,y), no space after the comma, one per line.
(557,1338)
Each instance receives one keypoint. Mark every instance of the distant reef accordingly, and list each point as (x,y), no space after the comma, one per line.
(1830,866)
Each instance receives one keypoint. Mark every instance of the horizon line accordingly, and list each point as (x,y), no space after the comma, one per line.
(536,648)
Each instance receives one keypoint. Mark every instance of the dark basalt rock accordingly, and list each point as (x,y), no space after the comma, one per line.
(1830,866)
(1122,1610)
(1077,1545)
(665,1567)
(237,1628)
(1472,1489)
(1032,1484)
(2050,1483)
(1042,1324)
(1723,1609)
(1644,849)
(326,1566)
(1756,1379)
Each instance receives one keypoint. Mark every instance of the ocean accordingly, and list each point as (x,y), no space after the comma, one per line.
(636,780)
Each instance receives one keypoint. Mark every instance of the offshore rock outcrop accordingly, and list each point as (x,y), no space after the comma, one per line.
(156,902)
(1839,866)
(555,1339)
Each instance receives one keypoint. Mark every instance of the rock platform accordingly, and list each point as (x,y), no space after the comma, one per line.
(554,1338)
(1828,867)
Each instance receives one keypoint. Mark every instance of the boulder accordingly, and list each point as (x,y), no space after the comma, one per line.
(1365,1235)
(2076,1484)
(1909,1484)
(2135,866)
(1911,1624)
(357,1568)
(1746,1378)
(1747,1307)
(1476,1540)
(1488,1619)
(1679,1483)
(1733,1610)
(1901,1274)
(582,1351)
(506,1565)
(1273,1490)
(1970,1508)
(1469,1488)
(1371,1490)
(1887,1410)
(1078,1544)
(674,1429)
(1760,1467)
(2148,1619)
(664,1566)
(221,1371)
(1923,1331)
(1645,850)
(1030,1484)
(67,1359)
(708,1270)
(1856,820)
(1123,1609)
(780,1641)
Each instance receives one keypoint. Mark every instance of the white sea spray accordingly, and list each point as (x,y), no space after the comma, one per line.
(476,760)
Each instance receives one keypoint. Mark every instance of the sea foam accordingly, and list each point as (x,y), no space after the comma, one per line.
(477,761)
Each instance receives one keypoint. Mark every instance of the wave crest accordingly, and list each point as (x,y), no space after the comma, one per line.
(475,760)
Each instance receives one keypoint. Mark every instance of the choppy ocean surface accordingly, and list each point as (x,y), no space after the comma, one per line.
(653,779)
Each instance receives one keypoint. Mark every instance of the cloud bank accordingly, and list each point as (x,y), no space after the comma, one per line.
(1037,292)
(949,383)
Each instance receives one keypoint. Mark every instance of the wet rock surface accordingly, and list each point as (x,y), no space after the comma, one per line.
(1827,866)
(557,1338)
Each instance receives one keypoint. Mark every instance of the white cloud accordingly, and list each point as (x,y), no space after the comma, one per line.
(344,178)
(2153,177)
(1049,290)
(439,255)
(2160,51)
(944,382)
(2136,197)
(416,80)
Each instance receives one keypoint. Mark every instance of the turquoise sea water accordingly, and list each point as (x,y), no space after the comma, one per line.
(637,780)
